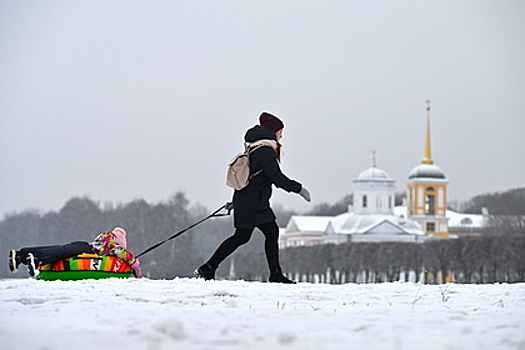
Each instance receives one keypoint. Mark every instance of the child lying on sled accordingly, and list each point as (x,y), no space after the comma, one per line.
(107,243)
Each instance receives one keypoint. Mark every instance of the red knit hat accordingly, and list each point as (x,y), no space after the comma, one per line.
(271,122)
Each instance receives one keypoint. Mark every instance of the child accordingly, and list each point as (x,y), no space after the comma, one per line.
(107,243)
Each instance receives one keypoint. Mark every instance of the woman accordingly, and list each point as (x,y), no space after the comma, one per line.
(252,204)
(107,243)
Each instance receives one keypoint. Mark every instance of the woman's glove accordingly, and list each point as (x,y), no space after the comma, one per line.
(305,194)
(136,268)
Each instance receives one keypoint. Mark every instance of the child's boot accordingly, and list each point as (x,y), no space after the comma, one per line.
(14,261)
(32,265)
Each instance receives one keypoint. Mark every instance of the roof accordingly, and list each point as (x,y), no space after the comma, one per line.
(456,219)
(308,223)
(355,224)
(374,174)
(375,223)
(427,171)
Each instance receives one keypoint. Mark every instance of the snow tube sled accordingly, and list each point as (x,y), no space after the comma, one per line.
(85,266)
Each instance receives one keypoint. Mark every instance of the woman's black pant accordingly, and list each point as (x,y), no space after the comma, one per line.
(242,236)
(51,253)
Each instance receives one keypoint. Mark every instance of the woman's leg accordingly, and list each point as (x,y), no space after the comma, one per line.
(271,248)
(240,237)
(271,244)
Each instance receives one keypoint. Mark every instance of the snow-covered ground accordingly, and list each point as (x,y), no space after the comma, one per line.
(195,314)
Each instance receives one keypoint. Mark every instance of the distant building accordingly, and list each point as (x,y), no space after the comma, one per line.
(462,225)
(459,224)
(374,218)
(304,231)
(427,193)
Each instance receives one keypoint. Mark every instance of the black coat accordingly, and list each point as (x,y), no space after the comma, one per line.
(252,203)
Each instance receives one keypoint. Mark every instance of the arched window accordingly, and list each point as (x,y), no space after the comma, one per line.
(365,204)
(430,201)
(466,221)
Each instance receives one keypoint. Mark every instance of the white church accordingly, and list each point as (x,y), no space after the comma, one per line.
(373,217)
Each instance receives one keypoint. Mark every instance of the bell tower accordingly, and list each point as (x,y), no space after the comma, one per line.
(427,192)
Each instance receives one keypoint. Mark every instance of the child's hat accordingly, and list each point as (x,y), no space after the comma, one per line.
(121,235)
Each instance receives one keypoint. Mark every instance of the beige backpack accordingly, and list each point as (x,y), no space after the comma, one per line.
(238,175)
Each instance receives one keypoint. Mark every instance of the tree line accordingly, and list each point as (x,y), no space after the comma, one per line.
(82,219)
(497,256)
(467,260)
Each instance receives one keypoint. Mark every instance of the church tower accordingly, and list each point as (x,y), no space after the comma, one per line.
(427,192)
(374,192)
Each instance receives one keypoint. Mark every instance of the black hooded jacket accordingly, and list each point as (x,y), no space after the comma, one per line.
(252,203)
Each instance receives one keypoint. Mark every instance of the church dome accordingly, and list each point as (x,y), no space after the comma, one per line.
(374,174)
(427,171)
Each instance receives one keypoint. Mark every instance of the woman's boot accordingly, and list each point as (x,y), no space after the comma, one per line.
(206,271)
(277,276)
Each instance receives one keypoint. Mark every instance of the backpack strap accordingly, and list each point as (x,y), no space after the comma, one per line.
(252,146)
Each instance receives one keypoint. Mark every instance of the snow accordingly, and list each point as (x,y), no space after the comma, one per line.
(374,174)
(456,219)
(187,313)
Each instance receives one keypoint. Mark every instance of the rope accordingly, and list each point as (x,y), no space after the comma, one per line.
(226,206)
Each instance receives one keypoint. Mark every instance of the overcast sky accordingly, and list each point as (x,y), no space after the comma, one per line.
(120,100)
